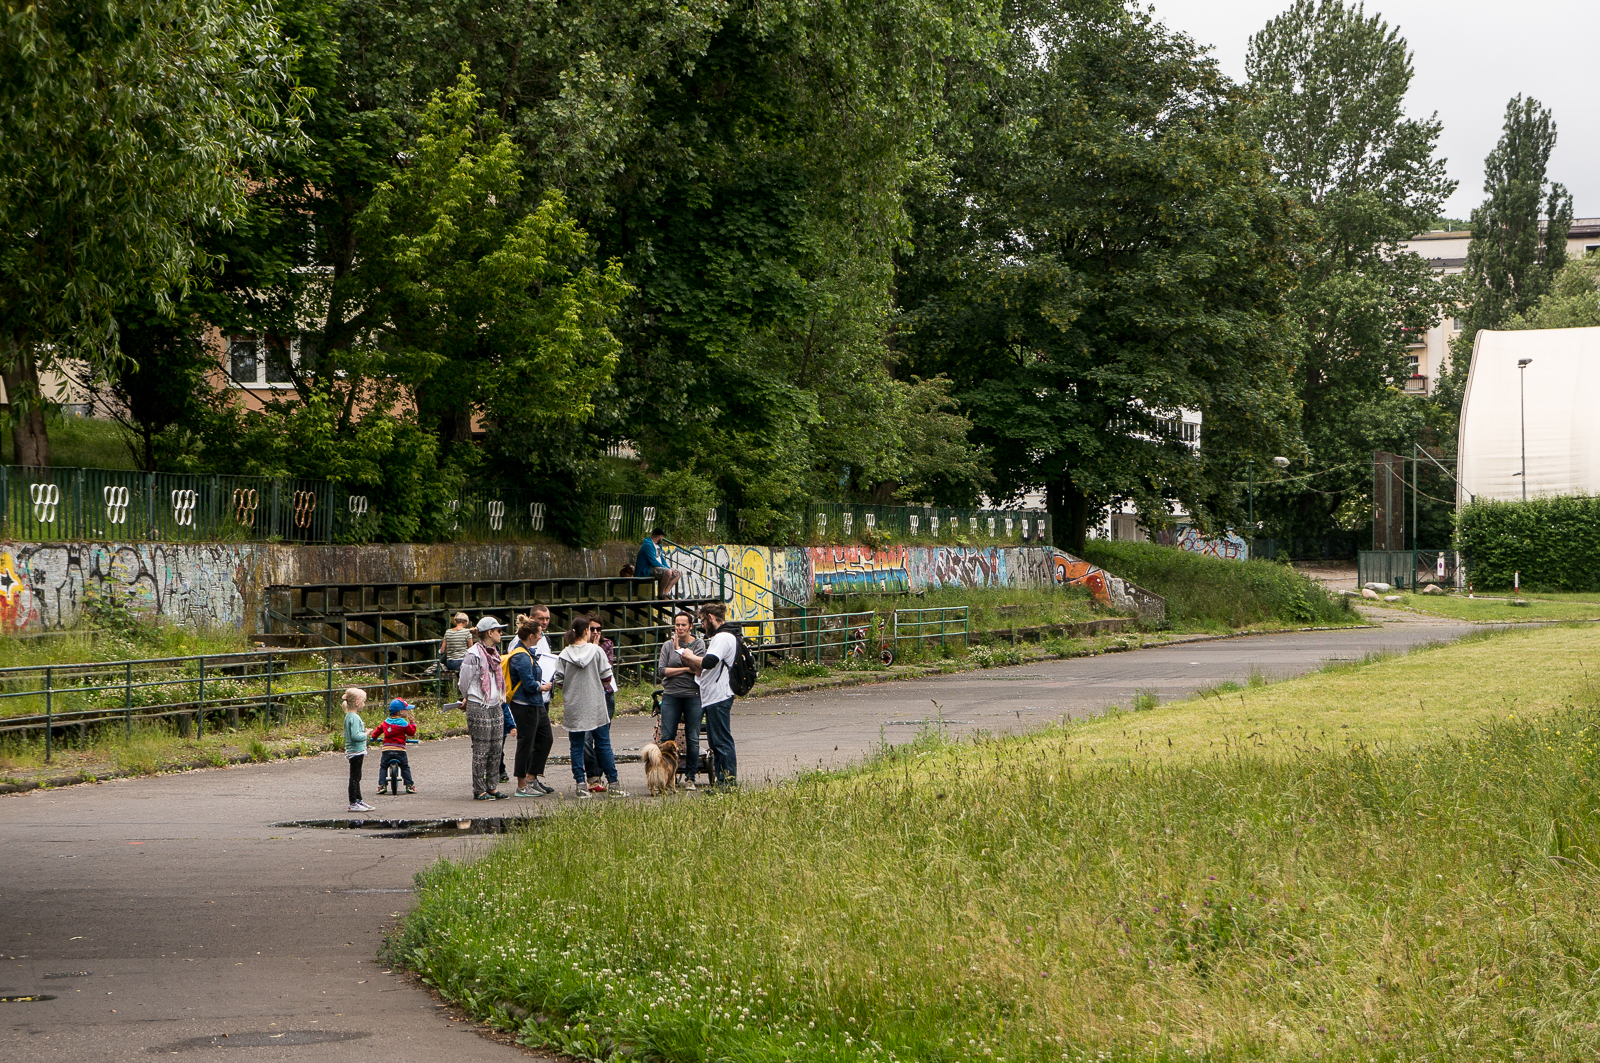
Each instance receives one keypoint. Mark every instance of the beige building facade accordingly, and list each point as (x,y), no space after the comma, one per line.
(1446,252)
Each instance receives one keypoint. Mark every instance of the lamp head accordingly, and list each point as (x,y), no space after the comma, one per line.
(1281,462)
(1522,363)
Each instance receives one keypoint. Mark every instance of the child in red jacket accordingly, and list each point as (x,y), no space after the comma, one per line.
(400,725)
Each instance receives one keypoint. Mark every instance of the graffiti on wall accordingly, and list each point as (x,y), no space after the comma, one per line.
(1228,546)
(741,576)
(45,586)
(1107,589)
(860,570)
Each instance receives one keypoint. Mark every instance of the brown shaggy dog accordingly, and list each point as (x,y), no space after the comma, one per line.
(660,766)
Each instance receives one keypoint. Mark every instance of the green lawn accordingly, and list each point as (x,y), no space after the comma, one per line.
(1394,860)
(1499,610)
(80,442)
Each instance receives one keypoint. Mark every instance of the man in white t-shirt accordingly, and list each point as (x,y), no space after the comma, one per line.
(716,691)
(541,649)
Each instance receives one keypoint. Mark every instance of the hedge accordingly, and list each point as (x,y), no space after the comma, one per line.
(1553,542)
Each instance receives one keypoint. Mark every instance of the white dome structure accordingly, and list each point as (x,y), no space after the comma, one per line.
(1561,415)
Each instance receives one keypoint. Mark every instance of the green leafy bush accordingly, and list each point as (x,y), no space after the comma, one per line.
(1553,542)
(1213,592)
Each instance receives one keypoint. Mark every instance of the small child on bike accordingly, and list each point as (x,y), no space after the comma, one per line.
(397,727)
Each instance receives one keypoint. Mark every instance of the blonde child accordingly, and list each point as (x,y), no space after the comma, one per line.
(355,744)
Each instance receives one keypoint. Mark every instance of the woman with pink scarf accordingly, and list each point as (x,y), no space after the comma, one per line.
(483,691)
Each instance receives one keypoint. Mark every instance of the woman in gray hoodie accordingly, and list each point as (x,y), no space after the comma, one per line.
(582,673)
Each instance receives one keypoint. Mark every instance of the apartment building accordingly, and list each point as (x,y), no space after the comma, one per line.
(1446,252)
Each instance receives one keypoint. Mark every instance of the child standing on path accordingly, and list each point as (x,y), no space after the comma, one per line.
(400,725)
(355,744)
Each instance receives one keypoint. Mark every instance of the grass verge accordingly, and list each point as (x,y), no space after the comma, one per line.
(1213,594)
(1256,882)
(1500,610)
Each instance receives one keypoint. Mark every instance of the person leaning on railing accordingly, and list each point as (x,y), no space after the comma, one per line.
(457,641)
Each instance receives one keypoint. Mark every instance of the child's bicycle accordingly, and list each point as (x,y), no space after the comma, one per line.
(861,637)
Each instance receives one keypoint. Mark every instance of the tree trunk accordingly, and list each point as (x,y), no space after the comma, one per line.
(31,441)
(1069,511)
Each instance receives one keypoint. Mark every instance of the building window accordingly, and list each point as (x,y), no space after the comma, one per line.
(242,360)
(1590,249)
(1457,324)
(256,361)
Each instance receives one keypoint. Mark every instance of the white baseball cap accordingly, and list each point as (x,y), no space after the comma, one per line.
(488,623)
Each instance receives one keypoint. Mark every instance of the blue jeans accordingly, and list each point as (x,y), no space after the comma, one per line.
(394,760)
(719,732)
(602,748)
(685,708)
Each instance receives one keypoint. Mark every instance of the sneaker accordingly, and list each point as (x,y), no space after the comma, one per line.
(486,796)
(528,791)
(689,785)
(411,789)
(361,806)
(597,787)
(504,777)
(583,789)
(539,784)
(616,791)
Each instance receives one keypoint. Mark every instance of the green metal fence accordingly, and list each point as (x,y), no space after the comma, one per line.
(110,504)
(921,628)
(270,684)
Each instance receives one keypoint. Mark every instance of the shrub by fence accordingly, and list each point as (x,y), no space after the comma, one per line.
(1554,542)
(1213,591)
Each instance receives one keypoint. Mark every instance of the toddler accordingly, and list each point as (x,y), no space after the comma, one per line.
(395,730)
(355,744)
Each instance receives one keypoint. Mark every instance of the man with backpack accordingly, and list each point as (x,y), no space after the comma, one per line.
(726,670)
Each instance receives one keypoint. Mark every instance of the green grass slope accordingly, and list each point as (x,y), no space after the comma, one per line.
(1210,592)
(1297,891)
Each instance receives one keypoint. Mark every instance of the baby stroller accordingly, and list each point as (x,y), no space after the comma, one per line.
(685,769)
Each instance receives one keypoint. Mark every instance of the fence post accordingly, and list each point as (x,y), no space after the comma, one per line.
(48,713)
(79,522)
(127,699)
(200,706)
(327,698)
(268,706)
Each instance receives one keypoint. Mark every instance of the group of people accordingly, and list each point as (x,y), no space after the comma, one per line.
(506,694)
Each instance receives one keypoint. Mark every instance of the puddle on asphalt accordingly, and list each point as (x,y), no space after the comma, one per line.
(29,999)
(259,1039)
(418,828)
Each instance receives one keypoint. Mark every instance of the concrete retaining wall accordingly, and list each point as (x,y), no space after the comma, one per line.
(45,586)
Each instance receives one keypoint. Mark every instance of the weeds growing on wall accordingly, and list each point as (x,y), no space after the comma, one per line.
(1216,593)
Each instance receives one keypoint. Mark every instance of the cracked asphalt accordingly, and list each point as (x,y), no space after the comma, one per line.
(163,913)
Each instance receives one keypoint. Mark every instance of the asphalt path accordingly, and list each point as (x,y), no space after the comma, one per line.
(162,913)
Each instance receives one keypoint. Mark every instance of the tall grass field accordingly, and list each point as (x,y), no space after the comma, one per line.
(1215,593)
(1220,879)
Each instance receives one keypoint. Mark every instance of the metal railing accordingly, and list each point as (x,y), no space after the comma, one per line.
(921,627)
(111,504)
(49,504)
(269,683)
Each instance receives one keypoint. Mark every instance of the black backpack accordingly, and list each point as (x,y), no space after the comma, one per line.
(742,671)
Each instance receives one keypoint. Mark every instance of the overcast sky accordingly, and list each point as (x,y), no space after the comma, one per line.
(1469,57)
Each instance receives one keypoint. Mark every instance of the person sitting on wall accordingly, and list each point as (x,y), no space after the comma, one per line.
(651,563)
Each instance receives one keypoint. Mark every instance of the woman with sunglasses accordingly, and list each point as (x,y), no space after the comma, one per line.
(584,674)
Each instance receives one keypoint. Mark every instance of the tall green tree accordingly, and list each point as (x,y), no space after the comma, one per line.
(122,126)
(1109,251)
(1513,257)
(1330,84)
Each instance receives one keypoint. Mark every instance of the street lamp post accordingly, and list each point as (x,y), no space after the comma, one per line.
(1522,402)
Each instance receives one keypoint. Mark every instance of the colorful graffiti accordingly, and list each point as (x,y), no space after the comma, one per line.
(45,586)
(739,575)
(1107,589)
(860,570)
(1227,546)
